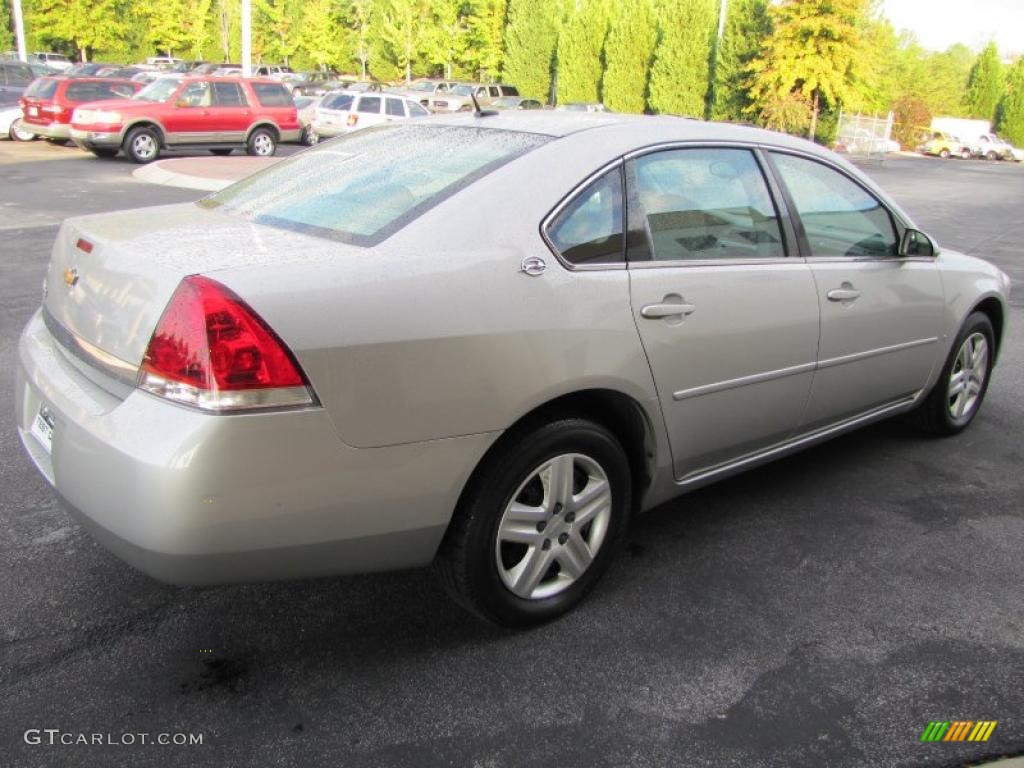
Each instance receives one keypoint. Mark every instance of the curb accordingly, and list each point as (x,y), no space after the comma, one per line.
(204,174)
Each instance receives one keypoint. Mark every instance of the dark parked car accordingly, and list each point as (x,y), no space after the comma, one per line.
(14,79)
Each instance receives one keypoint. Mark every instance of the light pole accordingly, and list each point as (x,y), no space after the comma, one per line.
(246,38)
(709,104)
(19,29)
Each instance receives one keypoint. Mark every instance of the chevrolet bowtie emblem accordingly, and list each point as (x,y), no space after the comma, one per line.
(70,277)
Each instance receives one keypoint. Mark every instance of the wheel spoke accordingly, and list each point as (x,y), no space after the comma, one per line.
(979,360)
(528,573)
(574,556)
(595,497)
(558,488)
(523,513)
(957,382)
(520,533)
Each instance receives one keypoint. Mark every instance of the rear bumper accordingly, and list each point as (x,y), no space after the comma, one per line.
(193,498)
(50,131)
(96,139)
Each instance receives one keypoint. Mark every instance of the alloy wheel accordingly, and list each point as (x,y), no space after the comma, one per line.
(967,379)
(554,526)
(144,146)
(263,145)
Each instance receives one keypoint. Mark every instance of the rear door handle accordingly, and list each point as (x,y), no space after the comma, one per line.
(845,292)
(659,311)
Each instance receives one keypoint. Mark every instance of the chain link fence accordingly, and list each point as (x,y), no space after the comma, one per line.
(865,136)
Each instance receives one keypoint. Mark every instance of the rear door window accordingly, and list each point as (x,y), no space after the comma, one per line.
(369,105)
(415,110)
(395,108)
(509,90)
(707,204)
(228,95)
(91,91)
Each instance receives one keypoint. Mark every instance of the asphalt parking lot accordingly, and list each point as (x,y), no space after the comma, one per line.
(816,612)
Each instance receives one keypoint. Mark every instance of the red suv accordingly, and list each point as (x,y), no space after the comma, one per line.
(215,113)
(48,102)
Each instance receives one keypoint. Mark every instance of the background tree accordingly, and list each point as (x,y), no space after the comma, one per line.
(813,51)
(985,84)
(6,35)
(1011,108)
(446,35)
(682,57)
(485,53)
(402,33)
(324,38)
(530,39)
(746,26)
(165,32)
(632,35)
(580,52)
(81,26)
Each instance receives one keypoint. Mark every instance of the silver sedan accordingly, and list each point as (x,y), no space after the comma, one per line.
(482,342)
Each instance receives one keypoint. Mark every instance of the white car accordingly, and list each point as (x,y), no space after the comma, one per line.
(342,111)
(11,125)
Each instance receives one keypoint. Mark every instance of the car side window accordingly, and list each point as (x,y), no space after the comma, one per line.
(195,95)
(840,217)
(18,75)
(395,108)
(589,229)
(271,95)
(369,104)
(707,204)
(228,95)
(415,110)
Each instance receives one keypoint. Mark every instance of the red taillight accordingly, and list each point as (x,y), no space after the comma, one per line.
(83,245)
(353,119)
(211,350)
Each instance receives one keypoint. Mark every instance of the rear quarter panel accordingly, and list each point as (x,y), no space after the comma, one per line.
(436,333)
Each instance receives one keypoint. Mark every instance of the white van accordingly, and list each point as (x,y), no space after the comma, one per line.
(344,111)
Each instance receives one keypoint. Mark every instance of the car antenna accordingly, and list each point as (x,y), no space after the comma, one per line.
(477,112)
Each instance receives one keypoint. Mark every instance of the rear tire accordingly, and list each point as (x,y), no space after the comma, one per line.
(990,155)
(262,143)
(958,394)
(106,154)
(310,137)
(18,132)
(142,145)
(538,524)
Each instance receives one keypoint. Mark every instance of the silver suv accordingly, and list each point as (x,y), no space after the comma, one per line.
(459,97)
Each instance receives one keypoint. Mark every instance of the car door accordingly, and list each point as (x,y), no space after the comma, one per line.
(394,109)
(881,314)
(728,318)
(229,114)
(187,120)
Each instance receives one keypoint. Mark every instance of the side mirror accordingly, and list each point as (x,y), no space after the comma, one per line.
(917,243)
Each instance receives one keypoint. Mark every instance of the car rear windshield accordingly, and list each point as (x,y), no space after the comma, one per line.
(366,186)
(42,88)
(339,101)
(272,95)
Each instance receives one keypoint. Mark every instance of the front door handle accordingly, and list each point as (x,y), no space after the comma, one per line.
(845,292)
(668,308)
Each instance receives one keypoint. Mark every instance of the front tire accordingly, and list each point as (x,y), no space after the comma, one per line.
(944,154)
(262,143)
(18,132)
(142,145)
(958,394)
(309,136)
(538,524)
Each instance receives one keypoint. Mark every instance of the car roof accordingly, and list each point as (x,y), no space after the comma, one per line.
(645,129)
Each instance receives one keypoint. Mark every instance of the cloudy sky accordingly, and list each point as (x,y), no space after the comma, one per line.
(940,23)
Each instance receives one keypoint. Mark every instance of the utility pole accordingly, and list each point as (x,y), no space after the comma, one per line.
(19,29)
(246,38)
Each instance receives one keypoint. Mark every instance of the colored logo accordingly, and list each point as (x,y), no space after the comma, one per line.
(959,730)
(70,277)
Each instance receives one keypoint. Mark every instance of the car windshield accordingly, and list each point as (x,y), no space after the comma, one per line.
(159,90)
(366,186)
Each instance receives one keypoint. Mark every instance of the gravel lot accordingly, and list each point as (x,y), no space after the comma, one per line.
(816,612)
